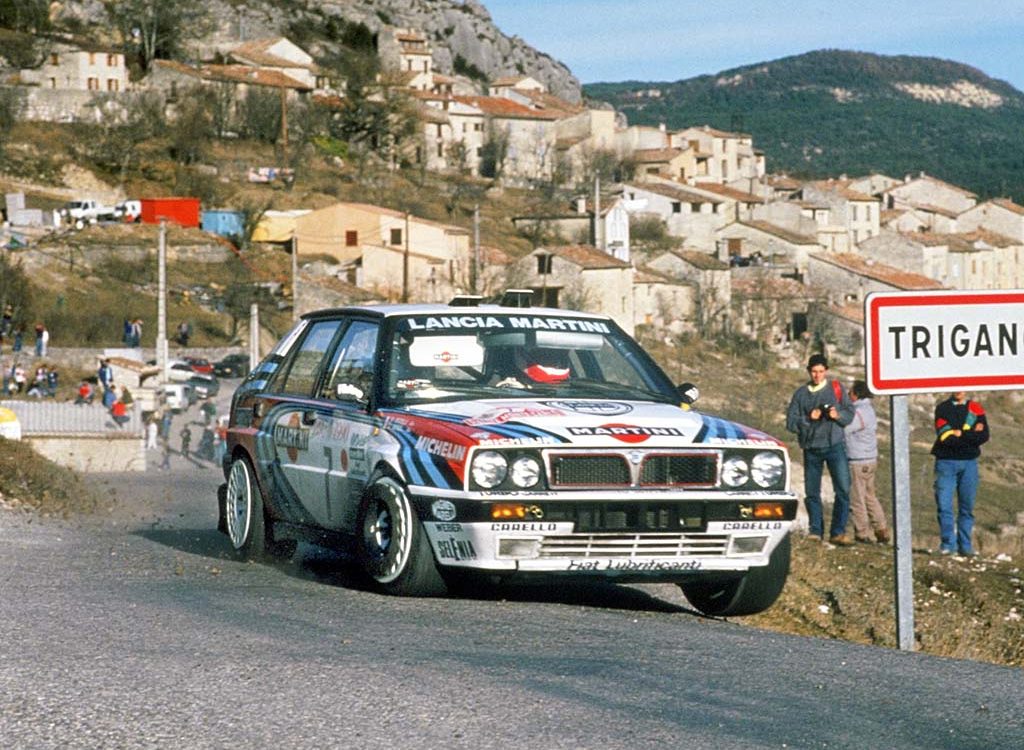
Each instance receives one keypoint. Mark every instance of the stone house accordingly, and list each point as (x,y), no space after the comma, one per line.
(1000,215)
(925,190)
(578,277)
(722,157)
(72,68)
(873,184)
(284,56)
(609,233)
(663,304)
(845,278)
(697,216)
(669,163)
(858,213)
(770,310)
(408,52)
(712,285)
(744,242)
(390,253)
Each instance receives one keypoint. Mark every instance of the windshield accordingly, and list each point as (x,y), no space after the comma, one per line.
(516,355)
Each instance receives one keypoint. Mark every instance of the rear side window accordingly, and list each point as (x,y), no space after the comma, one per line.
(353,364)
(307,362)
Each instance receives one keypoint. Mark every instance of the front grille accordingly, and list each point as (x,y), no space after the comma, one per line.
(686,470)
(633,545)
(598,470)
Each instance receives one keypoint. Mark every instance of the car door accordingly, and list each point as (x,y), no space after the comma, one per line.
(294,419)
(344,427)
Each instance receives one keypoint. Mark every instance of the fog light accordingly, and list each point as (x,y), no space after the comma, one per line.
(519,548)
(748,545)
(505,511)
(769,510)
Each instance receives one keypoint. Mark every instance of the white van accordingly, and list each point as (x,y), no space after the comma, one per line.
(178,396)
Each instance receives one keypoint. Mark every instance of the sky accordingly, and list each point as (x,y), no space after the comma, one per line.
(670,40)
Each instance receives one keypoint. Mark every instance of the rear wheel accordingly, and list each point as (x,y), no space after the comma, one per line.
(245,517)
(753,592)
(393,547)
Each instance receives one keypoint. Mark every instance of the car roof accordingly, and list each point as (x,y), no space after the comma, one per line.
(402,310)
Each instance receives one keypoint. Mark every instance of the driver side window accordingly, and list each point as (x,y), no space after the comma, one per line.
(353,365)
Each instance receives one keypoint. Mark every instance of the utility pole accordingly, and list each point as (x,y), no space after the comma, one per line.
(295,277)
(254,335)
(284,126)
(598,239)
(405,262)
(476,271)
(162,359)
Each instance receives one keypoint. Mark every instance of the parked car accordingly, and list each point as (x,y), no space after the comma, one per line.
(128,211)
(178,396)
(199,364)
(204,385)
(430,440)
(82,212)
(232,366)
(179,371)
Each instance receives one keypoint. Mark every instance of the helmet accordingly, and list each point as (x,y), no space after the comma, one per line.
(543,365)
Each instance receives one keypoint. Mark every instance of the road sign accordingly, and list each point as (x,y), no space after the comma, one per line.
(923,342)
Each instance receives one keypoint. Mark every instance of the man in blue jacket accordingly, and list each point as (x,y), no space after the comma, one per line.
(818,412)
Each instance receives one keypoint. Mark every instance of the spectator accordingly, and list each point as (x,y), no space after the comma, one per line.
(85,393)
(961,428)
(19,336)
(126,332)
(52,381)
(184,332)
(42,340)
(18,377)
(105,374)
(152,427)
(136,333)
(869,524)
(209,411)
(119,412)
(186,440)
(817,413)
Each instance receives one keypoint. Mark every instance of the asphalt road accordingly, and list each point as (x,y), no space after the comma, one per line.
(133,629)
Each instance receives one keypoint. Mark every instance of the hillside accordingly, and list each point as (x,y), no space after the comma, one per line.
(831,112)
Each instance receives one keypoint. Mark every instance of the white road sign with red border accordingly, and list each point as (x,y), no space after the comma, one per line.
(924,342)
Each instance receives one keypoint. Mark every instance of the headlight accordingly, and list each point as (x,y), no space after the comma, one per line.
(525,471)
(735,472)
(489,469)
(767,469)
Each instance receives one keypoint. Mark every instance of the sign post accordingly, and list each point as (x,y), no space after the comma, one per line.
(923,342)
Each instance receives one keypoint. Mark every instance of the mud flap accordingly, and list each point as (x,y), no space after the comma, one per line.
(222,504)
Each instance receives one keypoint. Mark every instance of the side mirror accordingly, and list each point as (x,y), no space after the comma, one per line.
(688,393)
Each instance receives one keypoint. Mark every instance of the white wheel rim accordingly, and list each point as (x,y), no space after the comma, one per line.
(239,504)
(392,531)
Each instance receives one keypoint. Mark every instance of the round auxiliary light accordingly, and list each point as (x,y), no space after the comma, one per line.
(735,472)
(525,471)
(767,469)
(489,469)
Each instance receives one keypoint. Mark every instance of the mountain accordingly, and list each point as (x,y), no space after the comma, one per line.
(456,29)
(831,112)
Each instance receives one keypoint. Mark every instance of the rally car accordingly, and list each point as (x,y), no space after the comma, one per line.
(436,441)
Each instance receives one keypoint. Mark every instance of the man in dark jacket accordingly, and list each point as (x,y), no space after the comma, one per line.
(960,430)
(818,412)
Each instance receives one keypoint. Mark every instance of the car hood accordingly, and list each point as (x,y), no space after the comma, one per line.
(576,422)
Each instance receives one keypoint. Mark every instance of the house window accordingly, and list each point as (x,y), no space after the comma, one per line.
(695,208)
(53,83)
(478,127)
(855,217)
(351,238)
(652,170)
(544,264)
(54,58)
(677,207)
(479,153)
(440,149)
(465,127)
(438,130)
(396,236)
(113,84)
(111,60)
(93,84)
(426,66)
(92,58)
(735,245)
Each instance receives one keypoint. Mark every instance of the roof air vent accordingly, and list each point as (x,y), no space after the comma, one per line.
(516,298)
(465,300)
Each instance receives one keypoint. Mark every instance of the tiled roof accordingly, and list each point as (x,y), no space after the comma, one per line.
(992,238)
(507,81)
(497,106)
(587,257)
(675,193)
(956,243)
(718,133)
(1008,204)
(647,275)
(257,52)
(550,102)
(252,76)
(878,271)
(842,189)
(703,261)
(730,193)
(775,230)
(935,180)
(851,312)
(652,155)
(783,182)
(936,210)
(768,287)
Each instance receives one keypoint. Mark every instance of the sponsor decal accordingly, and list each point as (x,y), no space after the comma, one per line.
(627,433)
(476,322)
(531,527)
(343,460)
(357,462)
(455,549)
(441,448)
(443,510)
(510,413)
(519,441)
(752,526)
(450,528)
(634,566)
(292,436)
(597,408)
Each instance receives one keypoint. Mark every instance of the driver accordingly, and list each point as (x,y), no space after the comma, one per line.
(543,365)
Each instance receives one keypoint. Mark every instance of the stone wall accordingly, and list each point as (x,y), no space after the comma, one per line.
(100,453)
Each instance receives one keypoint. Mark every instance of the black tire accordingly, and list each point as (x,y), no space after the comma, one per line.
(245,517)
(753,592)
(393,548)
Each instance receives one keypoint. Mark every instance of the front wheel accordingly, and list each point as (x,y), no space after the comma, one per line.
(245,517)
(393,547)
(753,592)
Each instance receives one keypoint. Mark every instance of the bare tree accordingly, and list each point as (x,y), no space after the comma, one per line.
(154,29)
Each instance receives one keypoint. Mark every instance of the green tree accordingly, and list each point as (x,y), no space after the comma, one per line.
(118,139)
(259,115)
(14,287)
(494,152)
(192,127)
(152,29)
(12,101)
(32,16)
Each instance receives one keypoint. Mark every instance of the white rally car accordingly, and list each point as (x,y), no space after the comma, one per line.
(501,440)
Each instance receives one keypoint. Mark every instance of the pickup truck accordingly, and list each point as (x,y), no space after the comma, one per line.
(80,213)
